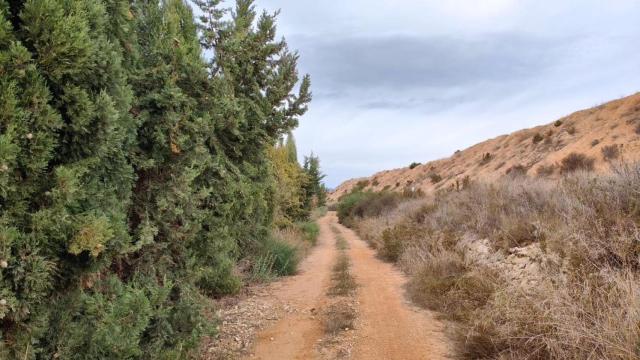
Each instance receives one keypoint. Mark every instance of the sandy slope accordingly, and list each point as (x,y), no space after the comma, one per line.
(388,327)
(587,132)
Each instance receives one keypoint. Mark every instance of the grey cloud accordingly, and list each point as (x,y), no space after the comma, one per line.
(405,62)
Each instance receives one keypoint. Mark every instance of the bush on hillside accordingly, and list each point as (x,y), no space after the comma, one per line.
(435,178)
(610,152)
(414,165)
(517,170)
(537,138)
(576,162)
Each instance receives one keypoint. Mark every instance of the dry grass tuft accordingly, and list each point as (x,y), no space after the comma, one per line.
(343,282)
(340,316)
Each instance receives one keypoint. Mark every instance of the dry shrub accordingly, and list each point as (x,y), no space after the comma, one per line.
(486,158)
(537,138)
(447,285)
(575,162)
(435,178)
(611,152)
(517,170)
(593,318)
(545,170)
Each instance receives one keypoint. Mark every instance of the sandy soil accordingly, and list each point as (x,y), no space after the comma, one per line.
(390,327)
(387,328)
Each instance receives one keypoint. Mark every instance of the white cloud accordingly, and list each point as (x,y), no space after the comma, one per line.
(398,81)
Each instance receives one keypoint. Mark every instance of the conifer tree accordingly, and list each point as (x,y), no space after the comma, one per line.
(67,139)
(315,191)
(132,173)
(292,151)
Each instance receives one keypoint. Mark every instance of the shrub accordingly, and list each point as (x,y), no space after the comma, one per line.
(571,130)
(610,152)
(558,123)
(545,170)
(414,165)
(360,185)
(392,245)
(276,258)
(574,162)
(537,138)
(517,170)
(366,204)
(311,230)
(435,178)
(486,158)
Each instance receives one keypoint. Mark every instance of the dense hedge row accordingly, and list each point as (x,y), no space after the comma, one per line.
(133,172)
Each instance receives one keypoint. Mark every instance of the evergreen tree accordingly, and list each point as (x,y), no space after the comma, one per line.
(67,141)
(132,173)
(292,151)
(315,191)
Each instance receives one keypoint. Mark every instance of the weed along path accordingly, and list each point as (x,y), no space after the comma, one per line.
(386,326)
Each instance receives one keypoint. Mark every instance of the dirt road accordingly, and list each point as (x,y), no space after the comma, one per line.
(388,327)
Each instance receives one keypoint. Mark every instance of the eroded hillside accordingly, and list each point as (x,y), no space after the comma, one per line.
(606,133)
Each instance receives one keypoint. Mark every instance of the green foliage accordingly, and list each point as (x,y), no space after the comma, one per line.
(358,204)
(311,231)
(315,191)
(414,165)
(291,183)
(133,173)
(277,258)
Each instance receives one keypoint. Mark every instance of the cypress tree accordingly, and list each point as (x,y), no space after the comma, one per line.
(133,174)
(292,151)
(68,138)
(315,192)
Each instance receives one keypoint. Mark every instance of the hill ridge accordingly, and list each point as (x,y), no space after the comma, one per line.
(613,126)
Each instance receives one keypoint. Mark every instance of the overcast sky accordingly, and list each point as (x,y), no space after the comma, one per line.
(397,81)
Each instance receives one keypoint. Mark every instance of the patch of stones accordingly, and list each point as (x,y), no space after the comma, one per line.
(240,319)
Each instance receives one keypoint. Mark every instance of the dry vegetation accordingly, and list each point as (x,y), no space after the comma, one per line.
(341,314)
(524,268)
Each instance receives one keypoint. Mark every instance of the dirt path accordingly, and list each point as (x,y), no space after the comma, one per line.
(388,327)
(295,336)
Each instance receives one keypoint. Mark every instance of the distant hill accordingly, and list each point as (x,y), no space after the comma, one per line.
(605,133)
